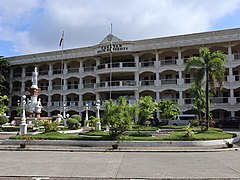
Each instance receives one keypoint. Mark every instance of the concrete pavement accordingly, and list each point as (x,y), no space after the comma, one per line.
(131,165)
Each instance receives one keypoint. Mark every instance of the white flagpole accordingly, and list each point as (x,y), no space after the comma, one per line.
(110,78)
(62,68)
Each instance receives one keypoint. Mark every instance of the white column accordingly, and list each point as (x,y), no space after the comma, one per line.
(180,60)
(136,78)
(49,85)
(50,72)
(157,96)
(49,101)
(232,98)
(64,84)
(231,77)
(180,79)
(81,66)
(180,98)
(80,101)
(136,59)
(23,72)
(64,67)
(157,79)
(157,63)
(23,87)
(230,52)
(11,74)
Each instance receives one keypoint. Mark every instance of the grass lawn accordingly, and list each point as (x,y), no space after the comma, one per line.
(211,134)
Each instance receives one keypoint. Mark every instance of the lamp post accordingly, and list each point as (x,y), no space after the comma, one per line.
(98,124)
(64,110)
(23,125)
(98,103)
(86,117)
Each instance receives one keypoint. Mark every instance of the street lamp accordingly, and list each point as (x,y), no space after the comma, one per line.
(98,103)
(98,124)
(64,110)
(86,117)
(23,125)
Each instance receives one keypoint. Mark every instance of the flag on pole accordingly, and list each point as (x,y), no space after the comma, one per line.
(61,40)
(111,46)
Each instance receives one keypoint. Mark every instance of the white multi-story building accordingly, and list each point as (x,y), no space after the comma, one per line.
(152,67)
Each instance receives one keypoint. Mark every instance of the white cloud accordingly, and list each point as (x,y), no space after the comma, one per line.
(36,25)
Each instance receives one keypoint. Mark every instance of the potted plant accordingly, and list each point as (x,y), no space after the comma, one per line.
(26,139)
(118,138)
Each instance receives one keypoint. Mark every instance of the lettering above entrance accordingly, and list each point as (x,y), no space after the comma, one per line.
(114,48)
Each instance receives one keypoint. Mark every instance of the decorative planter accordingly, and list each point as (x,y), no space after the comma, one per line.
(22,145)
(115,146)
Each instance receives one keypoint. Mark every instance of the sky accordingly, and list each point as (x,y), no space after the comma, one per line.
(35,26)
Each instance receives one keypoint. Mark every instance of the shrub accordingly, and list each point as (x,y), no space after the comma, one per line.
(11,129)
(73,123)
(92,121)
(77,117)
(189,132)
(3,120)
(48,126)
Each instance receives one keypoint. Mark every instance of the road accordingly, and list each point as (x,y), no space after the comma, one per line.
(120,164)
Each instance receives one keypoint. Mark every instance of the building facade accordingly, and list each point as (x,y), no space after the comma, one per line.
(155,67)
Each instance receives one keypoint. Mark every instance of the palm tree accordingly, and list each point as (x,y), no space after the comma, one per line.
(212,66)
(146,107)
(169,108)
(199,99)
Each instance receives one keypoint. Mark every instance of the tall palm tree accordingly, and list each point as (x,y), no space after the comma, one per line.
(169,108)
(212,66)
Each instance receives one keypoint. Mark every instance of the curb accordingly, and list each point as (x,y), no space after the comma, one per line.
(120,149)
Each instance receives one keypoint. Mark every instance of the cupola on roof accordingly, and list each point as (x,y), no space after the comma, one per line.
(109,38)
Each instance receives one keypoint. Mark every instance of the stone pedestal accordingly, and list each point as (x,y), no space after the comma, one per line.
(98,126)
(23,128)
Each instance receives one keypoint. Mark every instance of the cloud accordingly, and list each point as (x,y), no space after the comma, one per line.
(36,25)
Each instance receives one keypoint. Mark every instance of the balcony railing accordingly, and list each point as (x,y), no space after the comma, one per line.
(188,100)
(168,62)
(168,81)
(16,89)
(57,71)
(29,73)
(56,87)
(116,65)
(147,64)
(17,74)
(147,83)
(56,103)
(43,73)
(237,99)
(116,84)
(188,80)
(72,86)
(43,87)
(88,85)
(219,99)
(236,56)
(72,103)
(237,77)
(72,70)
(88,69)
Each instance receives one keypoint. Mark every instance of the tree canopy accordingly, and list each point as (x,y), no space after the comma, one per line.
(4,73)
(210,65)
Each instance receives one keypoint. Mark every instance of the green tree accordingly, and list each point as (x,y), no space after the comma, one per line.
(3,106)
(169,108)
(199,99)
(212,66)
(118,116)
(146,107)
(3,120)
(4,73)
